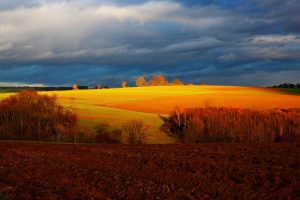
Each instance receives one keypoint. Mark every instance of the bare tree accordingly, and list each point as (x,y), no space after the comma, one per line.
(135,131)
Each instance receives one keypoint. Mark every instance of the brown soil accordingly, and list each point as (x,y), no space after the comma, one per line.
(207,171)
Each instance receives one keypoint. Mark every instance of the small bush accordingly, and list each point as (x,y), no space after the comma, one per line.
(84,135)
(3,196)
(116,135)
(102,133)
(105,135)
(134,131)
(101,128)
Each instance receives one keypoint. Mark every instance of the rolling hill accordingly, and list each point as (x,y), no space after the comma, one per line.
(116,106)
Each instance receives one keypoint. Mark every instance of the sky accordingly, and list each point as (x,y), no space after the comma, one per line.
(89,42)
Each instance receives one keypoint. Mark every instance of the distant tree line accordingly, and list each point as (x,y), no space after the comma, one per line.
(156,80)
(159,80)
(287,85)
(17,89)
(101,87)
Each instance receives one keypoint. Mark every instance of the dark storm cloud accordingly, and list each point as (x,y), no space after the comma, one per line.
(61,42)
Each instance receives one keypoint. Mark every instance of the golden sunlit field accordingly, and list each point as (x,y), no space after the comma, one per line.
(115,106)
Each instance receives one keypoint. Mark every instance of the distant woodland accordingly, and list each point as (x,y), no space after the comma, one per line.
(287,85)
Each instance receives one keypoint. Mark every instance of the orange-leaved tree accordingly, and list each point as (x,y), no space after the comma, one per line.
(124,83)
(176,82)
(158,80)
(75,87)
(140,81)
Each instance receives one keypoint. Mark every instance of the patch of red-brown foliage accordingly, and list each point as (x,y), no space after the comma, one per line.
(205,171)
(231,124)
(28,115)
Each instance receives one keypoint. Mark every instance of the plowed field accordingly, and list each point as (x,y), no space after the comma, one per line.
(206,171)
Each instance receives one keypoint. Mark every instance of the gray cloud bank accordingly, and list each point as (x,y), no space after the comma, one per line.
(60,42)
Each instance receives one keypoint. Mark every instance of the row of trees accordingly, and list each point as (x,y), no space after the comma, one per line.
(287,85)
(233,125)
(156,80)
(76,87)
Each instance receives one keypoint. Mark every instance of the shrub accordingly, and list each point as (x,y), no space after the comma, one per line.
(105,135)
(116,135)
(3,196)
(226,124)
(84,135)
(101,128)
(102,133)
(134,131)
(28,115)
(175,124)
